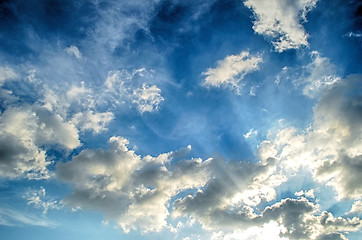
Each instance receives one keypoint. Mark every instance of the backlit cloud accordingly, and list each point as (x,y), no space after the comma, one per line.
(131,190)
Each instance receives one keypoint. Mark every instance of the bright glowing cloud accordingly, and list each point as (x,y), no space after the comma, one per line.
(280,20)
(128,189)
(231,70)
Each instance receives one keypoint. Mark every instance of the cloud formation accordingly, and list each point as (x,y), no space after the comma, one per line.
(24,132)
(6,73)
(280,20)
(38,199)
(331,146)
(147,98)
(123,87)
(132,191)
(12,217)
(314,78)
(231,70)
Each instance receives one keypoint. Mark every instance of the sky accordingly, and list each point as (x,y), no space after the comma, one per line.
(181,119)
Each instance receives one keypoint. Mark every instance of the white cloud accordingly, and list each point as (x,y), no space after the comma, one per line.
(66,101)
(281,20)
(92,121)
(6,73)
(307,193)
(287,219)
(12,217)
(231,70)
(39,200)
(24,131)
(147,98)
(317,76)
(356,207)
(269,231)
(123,87)
(332,236)
(133,191)
(74,51)
(331,147)
(250,133)
(234,185)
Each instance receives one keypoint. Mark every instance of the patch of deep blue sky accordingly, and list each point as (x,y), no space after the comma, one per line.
(180,47)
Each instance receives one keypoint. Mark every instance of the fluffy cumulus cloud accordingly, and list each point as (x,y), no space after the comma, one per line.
(131,190)
(147,98)
(280,20)
(356,207)
(230,71)
(57,113)
(331,146)
(136,191)
(24,131)
(287,219)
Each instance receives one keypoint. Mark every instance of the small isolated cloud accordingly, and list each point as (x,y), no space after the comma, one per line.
(74,51)
(38,199)
(307,193)
(250,133)
(147,98)
(280,20)
(231,70)
(354,34)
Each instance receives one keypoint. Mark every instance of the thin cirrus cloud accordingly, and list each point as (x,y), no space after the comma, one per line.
(314,77)
(12,217)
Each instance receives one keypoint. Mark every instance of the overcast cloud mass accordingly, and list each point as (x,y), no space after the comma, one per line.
(185,120)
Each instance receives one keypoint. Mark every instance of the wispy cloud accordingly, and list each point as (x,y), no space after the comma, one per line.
(13,217)
(40,200)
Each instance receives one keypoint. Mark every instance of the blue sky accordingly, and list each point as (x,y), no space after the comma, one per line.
(223,120)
